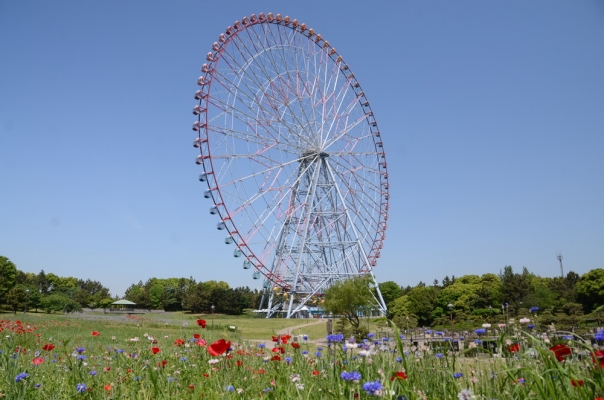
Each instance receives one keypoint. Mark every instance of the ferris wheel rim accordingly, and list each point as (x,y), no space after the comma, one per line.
(203,126)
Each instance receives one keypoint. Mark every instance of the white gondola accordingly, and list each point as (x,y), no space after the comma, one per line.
(213,210)
(207,194)
(237,253)
(203,177)
(221,226)
(256,275)
(229,240)
(247,264)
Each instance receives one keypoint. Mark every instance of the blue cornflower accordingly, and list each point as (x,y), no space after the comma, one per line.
(457,375)
(402,336)
(230,388)
(80,349)
(344,348)
(267,390)
(37,385)
(304,352)
(81,357)
(170,379)
(336,337)
(600,335)
(439,355)
(568,337)
(318,353)
(480,331)
(530,326)
(37,353)
(183,358)
(261,345)
(370,335)
(385,339)
(93,373)
(398,359)
(478,341)
(21,376)
(288,360)
(533,309)
(372,388)
(351,376)
(439,333)
(320,348)
(120,350)
(352,340)
(304,337)
(428,332)
(80,388)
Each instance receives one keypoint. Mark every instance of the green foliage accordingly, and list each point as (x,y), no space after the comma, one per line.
(8,276)
(59,302)
(390,291)
(590,289)
(349,298)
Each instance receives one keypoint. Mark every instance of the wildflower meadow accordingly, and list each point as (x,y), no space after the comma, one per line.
(61,358)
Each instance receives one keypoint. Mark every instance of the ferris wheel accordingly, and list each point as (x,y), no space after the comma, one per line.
(293,160)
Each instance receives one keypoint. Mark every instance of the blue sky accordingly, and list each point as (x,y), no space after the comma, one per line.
(492,116)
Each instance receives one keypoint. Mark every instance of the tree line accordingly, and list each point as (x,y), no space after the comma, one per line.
(20,291)
(489,297)
(492,298)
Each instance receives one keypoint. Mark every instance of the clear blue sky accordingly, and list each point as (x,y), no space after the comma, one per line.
(492,115)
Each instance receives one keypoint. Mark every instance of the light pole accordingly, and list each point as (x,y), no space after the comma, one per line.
(26,299)
(450,307)
(212,316)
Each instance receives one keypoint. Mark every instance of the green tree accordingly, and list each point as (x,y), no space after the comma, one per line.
(8,276)
(16,298)
(350,298)
(390,291)
(59,302)
(590,289)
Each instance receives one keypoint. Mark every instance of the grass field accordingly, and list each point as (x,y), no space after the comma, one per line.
(168,356)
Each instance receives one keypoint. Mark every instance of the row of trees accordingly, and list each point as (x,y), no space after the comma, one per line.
(25,290)
(492,297)
(176,294)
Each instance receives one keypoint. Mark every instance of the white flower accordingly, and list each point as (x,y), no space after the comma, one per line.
(524,320)
(465,394)
(300,386)
(134,339)
(213,361)
(486,325)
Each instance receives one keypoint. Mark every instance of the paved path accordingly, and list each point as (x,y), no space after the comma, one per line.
(288,330)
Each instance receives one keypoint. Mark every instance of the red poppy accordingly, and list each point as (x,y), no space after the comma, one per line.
(206,375)
(107,387)
(191,386)
(295,345)
(155,350)
(578,382)
(48,347)
(218,347)
(239,363)
(276,338)
(95,333)
(179,342)
(275,358)
(197,336)
(202,323)
(278,349)
(37,360)
(398,375)
(285,338)
(107,369)
(315,372)
(598,357)
(515,348)
(561,351)
(162,364)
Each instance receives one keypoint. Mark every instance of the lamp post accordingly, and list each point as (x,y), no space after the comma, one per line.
(26,299)
(212,316)
(450,307)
